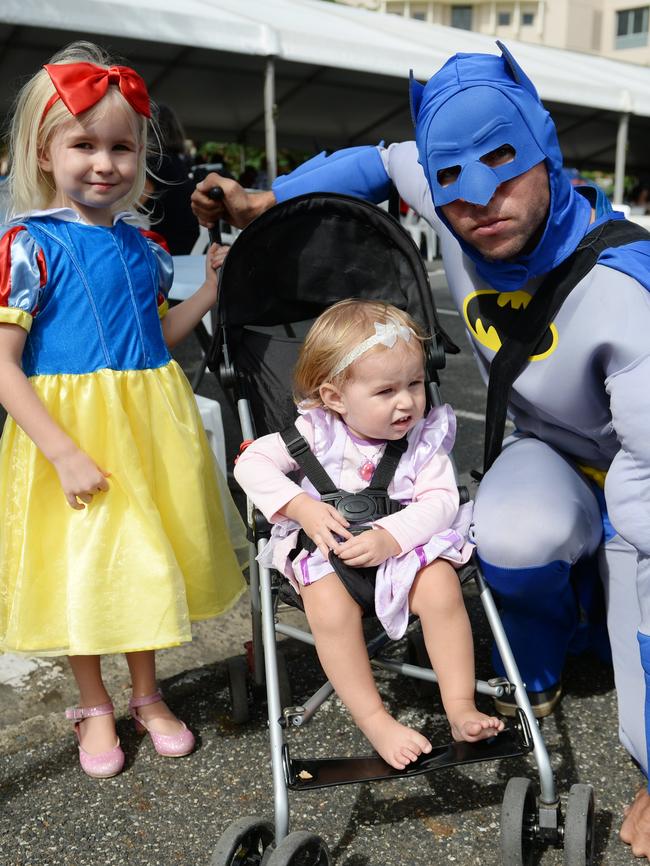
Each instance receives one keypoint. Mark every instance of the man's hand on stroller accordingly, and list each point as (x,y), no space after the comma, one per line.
(321,522)
(369,548)
(237,206)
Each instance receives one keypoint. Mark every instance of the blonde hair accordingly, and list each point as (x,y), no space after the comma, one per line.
(32,188)
(334,333)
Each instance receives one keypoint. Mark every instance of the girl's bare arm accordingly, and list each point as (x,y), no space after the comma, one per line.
(182,318)
(79,475)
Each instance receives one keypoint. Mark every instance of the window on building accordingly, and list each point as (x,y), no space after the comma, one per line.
(527,19)
(632,27)
(503,19)
(461,17)
(419,16)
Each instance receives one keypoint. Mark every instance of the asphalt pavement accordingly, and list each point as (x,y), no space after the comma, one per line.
(162,812)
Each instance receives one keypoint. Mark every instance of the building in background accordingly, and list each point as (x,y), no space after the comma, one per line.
(610,28)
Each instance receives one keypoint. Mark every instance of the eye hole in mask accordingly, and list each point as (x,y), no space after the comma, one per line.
(449,175)
(499,156)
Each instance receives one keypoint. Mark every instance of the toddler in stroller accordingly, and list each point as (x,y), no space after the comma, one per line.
(360,384)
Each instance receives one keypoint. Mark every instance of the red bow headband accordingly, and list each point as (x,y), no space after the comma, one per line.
(82,85)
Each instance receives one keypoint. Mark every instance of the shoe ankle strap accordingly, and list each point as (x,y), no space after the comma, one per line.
(78,713)
(134,703)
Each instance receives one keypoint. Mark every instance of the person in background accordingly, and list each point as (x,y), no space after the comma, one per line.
(169,187)
(248,177)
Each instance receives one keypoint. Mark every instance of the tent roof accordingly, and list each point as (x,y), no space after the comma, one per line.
(340,71)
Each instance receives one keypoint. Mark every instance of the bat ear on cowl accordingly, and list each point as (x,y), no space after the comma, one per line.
(515,70)
(415,96)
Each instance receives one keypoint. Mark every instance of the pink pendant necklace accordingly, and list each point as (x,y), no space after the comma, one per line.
(367,470)
(368,465)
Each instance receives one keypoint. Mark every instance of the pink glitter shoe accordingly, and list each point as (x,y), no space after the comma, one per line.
(105,764)
(168,745)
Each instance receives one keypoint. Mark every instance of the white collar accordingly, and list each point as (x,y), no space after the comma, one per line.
(70,215)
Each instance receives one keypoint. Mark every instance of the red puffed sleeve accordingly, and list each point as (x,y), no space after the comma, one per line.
(158,245)
(23,274)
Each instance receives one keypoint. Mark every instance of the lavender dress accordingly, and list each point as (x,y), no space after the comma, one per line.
(423,472)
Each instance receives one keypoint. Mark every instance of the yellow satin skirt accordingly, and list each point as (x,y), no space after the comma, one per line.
(162,547)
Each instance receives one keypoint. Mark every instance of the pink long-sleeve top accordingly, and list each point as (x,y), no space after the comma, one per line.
(424,480)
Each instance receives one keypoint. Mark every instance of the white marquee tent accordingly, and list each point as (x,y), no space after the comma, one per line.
(314,74)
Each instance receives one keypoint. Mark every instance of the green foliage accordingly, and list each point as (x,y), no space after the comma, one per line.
(236,156)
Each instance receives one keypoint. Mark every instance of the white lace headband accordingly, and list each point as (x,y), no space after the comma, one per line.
(385,334)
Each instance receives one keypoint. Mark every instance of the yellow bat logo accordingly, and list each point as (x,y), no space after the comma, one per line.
(491,316)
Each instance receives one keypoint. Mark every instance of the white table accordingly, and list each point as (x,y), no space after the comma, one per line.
(189,273)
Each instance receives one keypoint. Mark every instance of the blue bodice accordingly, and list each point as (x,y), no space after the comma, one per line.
(98,308)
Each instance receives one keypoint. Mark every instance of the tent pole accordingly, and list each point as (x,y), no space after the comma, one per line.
(621,147)
(269,120)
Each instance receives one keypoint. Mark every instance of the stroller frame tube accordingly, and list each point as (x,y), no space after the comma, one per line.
(280,791)
(548,794)
(248,433)
(256,619)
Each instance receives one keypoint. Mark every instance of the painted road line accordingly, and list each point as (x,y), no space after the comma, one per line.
(476,416)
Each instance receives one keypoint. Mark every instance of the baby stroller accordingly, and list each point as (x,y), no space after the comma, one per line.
(289,265)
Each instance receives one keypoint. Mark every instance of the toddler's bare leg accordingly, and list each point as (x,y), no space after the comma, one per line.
(436,597)
(158,716)
(335,622)
(96,734)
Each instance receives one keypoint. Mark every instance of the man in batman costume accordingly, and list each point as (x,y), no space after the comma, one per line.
(573,482)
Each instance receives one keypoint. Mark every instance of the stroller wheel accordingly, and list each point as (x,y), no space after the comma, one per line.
(301,849)
(579,827)
(244,843)
(238,685)
(518,819)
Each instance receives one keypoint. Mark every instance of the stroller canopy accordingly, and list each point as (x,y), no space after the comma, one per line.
(295,261)
(307,253)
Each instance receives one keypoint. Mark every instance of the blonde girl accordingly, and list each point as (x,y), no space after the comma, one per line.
(116,533)
(359,384)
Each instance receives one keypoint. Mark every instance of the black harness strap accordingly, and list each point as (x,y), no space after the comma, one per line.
(359,508)
(517,348)
(385,471)
(299,449)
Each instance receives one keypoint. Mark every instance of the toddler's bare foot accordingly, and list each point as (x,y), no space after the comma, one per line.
(397,744)
(97,734)
(469,725)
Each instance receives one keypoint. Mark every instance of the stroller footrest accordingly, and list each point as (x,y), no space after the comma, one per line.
(305,774)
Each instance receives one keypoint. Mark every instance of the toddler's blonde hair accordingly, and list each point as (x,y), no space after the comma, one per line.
(335,333)
(32,188)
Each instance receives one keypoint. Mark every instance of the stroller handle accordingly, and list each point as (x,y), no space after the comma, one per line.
(216,194)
